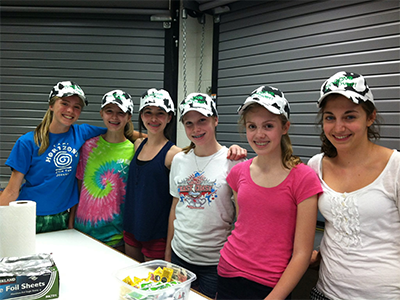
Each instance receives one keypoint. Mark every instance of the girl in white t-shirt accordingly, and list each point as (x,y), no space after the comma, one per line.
(202,210)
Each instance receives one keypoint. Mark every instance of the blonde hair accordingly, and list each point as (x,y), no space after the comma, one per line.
(188,148)
(41,134)
(128,131)
(288,159)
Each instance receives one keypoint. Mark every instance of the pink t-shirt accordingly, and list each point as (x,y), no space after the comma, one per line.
(261,245)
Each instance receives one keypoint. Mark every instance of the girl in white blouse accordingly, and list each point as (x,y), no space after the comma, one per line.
(360,251)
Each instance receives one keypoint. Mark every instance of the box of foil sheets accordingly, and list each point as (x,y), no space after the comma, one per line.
(29,277)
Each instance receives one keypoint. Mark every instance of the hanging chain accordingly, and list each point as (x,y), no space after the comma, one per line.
(184,53)
(184,17)
(201,55)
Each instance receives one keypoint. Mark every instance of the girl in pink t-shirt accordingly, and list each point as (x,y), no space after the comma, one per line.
(276,199)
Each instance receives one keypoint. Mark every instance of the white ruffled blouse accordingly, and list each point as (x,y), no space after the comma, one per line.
(361,244)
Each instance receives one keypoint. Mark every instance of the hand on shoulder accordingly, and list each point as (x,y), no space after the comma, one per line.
(235,152)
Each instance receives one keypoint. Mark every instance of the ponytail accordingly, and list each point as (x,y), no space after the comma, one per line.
(41,134)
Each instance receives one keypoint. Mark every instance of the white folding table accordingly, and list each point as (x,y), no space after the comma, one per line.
(87,266)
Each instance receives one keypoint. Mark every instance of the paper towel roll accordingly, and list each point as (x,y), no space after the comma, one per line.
(18,229)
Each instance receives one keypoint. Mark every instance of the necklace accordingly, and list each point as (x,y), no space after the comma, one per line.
(202,170)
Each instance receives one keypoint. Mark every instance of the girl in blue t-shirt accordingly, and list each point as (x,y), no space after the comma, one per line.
(47,159)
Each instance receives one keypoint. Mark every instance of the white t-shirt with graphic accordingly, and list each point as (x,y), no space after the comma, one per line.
(205,210)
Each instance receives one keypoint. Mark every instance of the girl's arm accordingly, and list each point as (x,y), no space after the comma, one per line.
(302,249)
(72,213)
(236,204)
(11,192)
(235,152)
(315,259)
(172,217)
(138,142)
(73,209)
(137,135)
(170,155)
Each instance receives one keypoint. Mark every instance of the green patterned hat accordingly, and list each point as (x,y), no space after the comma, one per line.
(119,97)
(351,85)
(159,98)
(66,89)
(269,97)
(199,102)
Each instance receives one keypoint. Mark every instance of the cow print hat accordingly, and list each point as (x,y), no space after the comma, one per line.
(119,97)
(199,102)
(269,97)
(159,98)
(66,89)
(351,85)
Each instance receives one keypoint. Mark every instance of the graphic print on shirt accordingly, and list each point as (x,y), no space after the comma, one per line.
(62,156)
(197,191)
(104,184)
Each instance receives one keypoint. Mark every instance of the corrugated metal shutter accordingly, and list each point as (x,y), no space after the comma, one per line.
(295,46)
(100,53)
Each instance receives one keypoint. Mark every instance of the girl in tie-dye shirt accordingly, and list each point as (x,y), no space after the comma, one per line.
(103,172)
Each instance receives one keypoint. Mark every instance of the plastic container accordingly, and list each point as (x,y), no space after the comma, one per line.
(178,292)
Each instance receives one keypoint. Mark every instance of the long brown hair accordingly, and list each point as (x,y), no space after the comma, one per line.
(288,159)
(373,131)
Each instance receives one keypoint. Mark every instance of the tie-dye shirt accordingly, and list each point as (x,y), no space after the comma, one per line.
(103,169)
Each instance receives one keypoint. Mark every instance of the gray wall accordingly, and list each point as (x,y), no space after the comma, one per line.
(295,46)
(99,52)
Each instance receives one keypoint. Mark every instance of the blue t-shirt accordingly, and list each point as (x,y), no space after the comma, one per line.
(50,177)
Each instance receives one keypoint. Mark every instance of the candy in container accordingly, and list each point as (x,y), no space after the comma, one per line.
(155,280)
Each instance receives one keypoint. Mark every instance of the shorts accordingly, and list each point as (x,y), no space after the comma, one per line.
(207,276)
(317,295)
(241,288)
(52,222)
(151,249)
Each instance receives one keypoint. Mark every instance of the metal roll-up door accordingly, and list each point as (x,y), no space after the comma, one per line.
(99,52)
(295,46)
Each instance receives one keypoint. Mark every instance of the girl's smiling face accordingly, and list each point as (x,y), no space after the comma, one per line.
(66,112)
(264,130)
(114,118)
(155,119)
(345,123)
(199,129)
